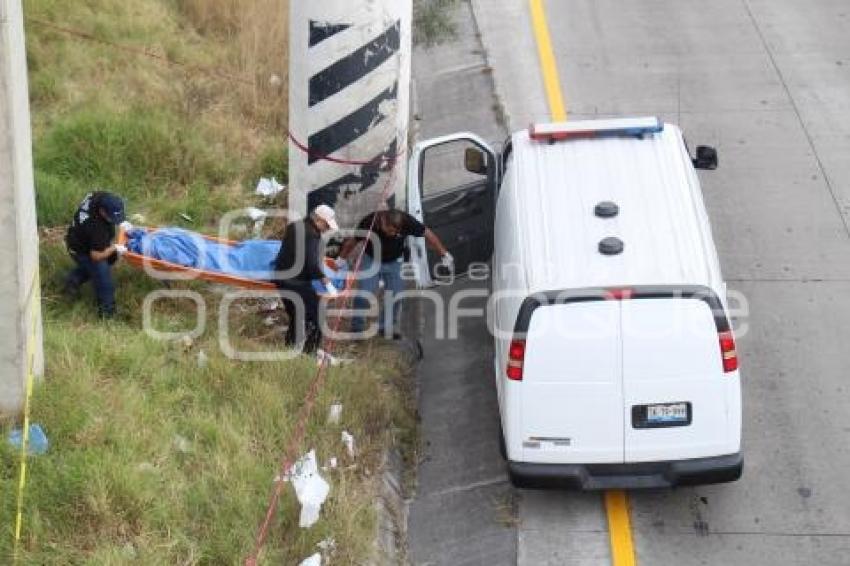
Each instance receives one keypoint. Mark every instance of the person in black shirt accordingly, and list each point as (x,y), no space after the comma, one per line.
(298,264)
(89,242)
(392,227)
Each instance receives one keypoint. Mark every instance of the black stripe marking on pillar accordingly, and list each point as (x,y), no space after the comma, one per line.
(355,183)
(338,135)
(355,66)
(320,31)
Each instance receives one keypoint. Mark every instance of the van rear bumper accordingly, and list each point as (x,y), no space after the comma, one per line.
(718,469)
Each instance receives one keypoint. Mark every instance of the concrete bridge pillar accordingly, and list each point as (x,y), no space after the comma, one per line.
(349,101)
(20,305)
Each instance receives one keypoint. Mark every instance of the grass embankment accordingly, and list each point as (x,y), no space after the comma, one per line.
(432,22)
(107,115)
(156,458)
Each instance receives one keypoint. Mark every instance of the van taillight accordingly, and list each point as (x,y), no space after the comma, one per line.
(728,351)
(516,359)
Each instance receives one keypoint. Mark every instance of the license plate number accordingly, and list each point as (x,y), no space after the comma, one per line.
(672,413)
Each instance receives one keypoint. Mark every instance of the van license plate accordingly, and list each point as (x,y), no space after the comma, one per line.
(662,415)
(672,413)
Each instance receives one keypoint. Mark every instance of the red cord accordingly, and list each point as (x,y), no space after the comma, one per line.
(329,346)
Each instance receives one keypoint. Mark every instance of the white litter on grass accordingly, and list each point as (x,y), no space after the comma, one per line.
(269,188)
(259,218)
(256,214)
(310,489)
(327,545)
(182,444)
(348,440)
(333,463)
(334,413)
(315,560)
(203,359)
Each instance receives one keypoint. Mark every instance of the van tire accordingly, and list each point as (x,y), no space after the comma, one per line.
(519,482)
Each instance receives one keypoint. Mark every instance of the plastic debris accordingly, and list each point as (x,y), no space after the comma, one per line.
(182,444)
(334,413)
(259,218)
(348,440)
(36,443)
(332,464)
(315,560)
(269,188)
(256,214)
(310,489)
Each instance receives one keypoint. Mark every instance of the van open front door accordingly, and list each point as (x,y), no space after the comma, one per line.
(452,184)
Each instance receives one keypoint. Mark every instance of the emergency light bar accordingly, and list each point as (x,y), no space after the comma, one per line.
(623,127)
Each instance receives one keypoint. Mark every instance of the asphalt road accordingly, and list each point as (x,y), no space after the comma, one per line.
(768,83)
(464,509)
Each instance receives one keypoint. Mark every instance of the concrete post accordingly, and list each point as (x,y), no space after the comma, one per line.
(349,99)
(20,306)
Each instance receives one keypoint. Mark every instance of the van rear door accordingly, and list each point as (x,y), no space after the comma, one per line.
(674,383)
(571,390)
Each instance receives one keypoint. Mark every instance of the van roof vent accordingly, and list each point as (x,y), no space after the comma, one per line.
(607,209)
(611,246)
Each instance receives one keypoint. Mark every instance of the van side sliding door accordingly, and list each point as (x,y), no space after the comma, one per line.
(452,184)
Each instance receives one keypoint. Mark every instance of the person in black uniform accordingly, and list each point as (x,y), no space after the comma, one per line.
(299,263)
(392,228)
(89,242)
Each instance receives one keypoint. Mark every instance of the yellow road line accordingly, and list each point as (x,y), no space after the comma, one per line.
(547,61)
(619,529)
(616,502)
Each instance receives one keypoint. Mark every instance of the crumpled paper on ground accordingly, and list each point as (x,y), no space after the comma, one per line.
(315,560)
(348,441)
(310,489)
(269,188)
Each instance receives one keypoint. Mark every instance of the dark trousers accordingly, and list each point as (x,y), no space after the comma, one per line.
(100,274)
(309,327)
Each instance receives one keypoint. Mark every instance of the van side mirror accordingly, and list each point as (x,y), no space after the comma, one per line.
(475,161)
(706,158)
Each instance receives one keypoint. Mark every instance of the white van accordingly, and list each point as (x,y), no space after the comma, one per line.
(615,362)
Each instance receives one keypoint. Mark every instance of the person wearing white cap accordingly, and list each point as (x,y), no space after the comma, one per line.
(299,263)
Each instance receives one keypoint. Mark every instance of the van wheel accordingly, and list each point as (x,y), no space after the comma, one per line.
(516,481)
